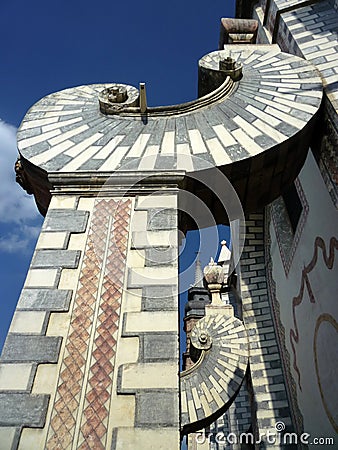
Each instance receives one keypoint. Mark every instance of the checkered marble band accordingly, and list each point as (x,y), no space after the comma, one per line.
(213,382)
(275,99)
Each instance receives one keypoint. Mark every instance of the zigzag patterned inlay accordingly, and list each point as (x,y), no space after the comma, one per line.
(277,96)
(96,313)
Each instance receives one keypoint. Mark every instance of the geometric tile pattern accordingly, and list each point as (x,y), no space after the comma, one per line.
(287,239)
(215,379)
(85,379)
(266,372)
(297,417)
(277,96)
(311,31)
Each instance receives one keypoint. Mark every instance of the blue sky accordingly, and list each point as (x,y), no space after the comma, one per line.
(49,46)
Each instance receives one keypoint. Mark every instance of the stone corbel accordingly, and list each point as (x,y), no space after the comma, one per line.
(21,178)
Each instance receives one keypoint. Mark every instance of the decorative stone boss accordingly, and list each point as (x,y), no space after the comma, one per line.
(109,171)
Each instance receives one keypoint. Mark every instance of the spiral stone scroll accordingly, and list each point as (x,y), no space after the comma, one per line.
(209,387)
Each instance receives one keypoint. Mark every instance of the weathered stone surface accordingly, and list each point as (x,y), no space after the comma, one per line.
(159,298)
(68,259)
(23,410)
(26,348)
(157,409)
(161,256)
(45,299)
(157,347)
(66,220)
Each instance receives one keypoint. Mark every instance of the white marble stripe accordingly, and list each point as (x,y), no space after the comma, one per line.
(196,398)
(196,142)
(270,131)
(247,142)
(60,124)
(62,113)
(273,69)
(71,102)
(297,70)
(296,105)
(68,135)
(87,89)
(296,26)
(114,159)
(217,397)
(265,101)
(45,108)
(78,148)
(84,95)
(24,143)
(168,142)
(266,62)
(279,76)
(184,160)
(291,97)
(284,90)
(63,96)
(206,392)
(224,136)
(285,117)
(329,80)
(282,62)
(149,157)
(302,80)
(28,124)
(109,147)
(184,404)
(251,58)
(249,129)
(51,153)
(282,85)
(217,151)
(333,57)
(313,42)
(83,157)
(192,411)
(329,44)
(268,55)
(205,405)
(139,145)
(317,94)
(300,34)
(327,65)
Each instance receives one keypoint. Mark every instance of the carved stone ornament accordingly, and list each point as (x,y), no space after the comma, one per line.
(116,97)
(21,178)
(213,273)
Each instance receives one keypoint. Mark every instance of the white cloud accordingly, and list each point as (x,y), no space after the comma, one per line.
(15,205)
(20,239)
(19,217)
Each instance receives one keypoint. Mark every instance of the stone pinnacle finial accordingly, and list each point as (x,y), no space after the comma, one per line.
(224,255)
(198,273)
